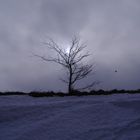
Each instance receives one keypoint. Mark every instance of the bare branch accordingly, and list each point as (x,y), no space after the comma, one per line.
(52,60)
(89,86)
(63,80)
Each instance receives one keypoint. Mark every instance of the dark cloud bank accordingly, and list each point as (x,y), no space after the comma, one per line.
(111,29)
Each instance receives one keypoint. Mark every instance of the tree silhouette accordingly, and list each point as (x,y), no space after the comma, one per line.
(72,61)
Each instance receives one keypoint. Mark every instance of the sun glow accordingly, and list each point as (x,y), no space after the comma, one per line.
(67,50)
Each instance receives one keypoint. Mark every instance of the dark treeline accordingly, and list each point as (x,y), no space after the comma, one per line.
(74,93)
(13,93)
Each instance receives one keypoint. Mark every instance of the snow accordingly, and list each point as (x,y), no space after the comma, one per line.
(110,117)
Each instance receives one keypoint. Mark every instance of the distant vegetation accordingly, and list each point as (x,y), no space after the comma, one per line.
(74,93)
(13,93)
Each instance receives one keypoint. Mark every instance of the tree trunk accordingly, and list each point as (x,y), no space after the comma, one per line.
(70,80)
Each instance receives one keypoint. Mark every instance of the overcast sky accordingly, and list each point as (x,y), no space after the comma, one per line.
(111,29)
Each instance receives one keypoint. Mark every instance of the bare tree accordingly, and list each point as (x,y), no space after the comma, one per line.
(71,60)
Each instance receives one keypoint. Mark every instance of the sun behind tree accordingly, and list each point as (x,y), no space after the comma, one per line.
(71,59)
(67,50)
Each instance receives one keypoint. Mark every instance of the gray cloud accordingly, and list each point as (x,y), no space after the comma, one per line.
(111,29)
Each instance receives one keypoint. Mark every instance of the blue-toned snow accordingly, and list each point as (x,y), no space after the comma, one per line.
(113,117)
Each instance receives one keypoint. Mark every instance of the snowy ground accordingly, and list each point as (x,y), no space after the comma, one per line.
(113,117)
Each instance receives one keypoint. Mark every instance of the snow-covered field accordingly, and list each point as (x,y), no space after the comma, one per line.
(113,117)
